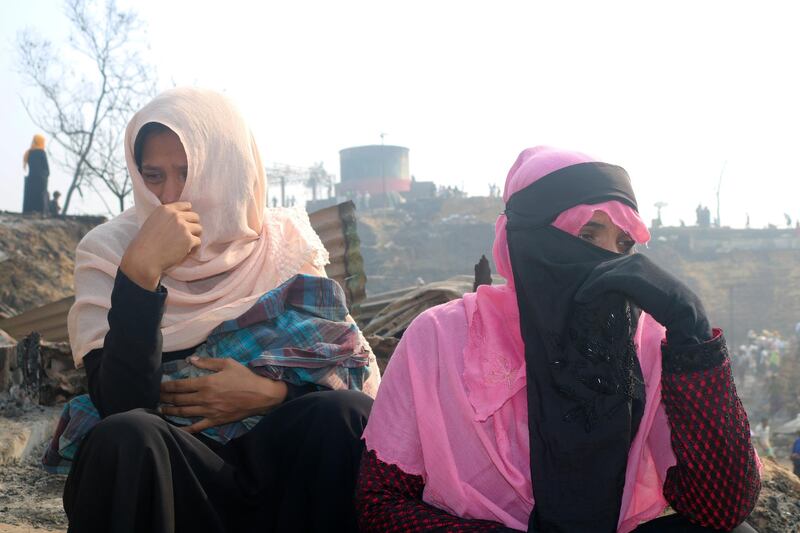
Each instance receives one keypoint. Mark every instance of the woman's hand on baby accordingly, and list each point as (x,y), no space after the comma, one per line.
(655,291)
(170,233)
(233,392)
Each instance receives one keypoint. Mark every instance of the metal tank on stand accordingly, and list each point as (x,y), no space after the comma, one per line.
(374,175)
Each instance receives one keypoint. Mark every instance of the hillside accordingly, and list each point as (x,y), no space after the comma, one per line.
(431,240)
(37,258)
(757,287)
(742,289)
(436,239)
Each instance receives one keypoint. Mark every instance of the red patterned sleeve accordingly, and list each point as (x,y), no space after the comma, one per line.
(715,482)
(390,500)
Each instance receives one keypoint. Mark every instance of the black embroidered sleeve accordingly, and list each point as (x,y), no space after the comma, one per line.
(715,482)
(390,500)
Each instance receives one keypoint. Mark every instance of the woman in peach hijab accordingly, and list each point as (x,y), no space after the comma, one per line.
(198,250)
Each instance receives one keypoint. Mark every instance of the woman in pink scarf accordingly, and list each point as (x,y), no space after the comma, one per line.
(555,403)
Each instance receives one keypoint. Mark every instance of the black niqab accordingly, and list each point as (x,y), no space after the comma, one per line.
(584,385)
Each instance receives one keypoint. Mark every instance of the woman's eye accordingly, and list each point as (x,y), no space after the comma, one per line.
(626,246)
(152,178)
(586,236)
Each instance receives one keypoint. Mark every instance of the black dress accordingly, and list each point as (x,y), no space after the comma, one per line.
(294,471)
(36,198)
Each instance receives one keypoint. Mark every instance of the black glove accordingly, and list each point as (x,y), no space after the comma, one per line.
(656,292)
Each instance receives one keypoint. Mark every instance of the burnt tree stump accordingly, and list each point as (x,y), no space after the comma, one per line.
(29,362)
(44,373)
(483,273)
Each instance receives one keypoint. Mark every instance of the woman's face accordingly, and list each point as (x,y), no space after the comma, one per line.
(602,232)
(164,165)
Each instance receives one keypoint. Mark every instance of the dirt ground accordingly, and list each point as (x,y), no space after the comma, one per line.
(8,528)
(37,258)
(30,498)
(778,509)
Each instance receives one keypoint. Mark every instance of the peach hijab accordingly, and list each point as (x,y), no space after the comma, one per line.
(247,249)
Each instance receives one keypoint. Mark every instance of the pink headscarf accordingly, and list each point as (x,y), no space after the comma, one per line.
(468,409)
(246,249)
(493,304)
(535,163)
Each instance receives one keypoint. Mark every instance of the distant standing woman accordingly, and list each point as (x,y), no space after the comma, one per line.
(35,198)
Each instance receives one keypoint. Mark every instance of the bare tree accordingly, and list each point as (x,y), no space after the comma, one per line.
(318,177)
(107,164)
(84,102)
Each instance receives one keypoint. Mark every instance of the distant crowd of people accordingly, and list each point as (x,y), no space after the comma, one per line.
(362,199)
(758,363)
(289,202)
(703,216)
(761,358)
(761,355)
(762,439)
(451,192)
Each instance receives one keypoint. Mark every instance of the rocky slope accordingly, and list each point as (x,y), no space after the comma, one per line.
(37,259)
(437,239)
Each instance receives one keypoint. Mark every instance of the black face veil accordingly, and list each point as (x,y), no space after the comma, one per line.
(584,385)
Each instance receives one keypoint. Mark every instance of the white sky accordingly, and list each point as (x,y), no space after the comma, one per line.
(669,90)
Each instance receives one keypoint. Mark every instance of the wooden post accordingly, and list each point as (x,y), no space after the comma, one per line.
(483,274)
(29,361)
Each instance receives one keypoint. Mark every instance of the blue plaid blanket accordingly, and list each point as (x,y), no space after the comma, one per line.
(297,333)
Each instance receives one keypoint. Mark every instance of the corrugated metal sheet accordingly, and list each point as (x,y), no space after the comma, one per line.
(336,227)
(370,308)
(49,320)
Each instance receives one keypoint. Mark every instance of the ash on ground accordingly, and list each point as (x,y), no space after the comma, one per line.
(778,509)
(29,496)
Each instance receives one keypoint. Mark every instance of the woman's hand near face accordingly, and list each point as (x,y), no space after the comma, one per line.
(655,291)
(168,235)
(231,394)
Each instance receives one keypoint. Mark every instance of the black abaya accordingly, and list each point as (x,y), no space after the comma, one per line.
(294,471)
(36,198)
